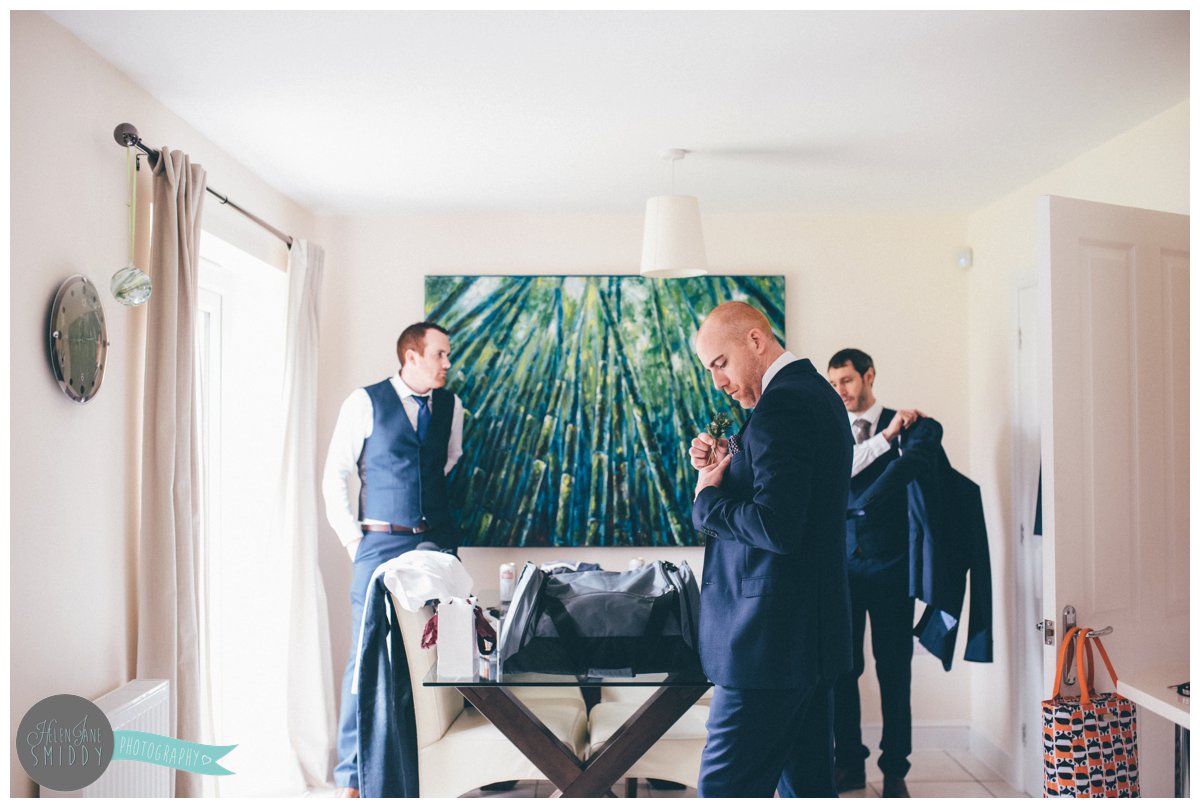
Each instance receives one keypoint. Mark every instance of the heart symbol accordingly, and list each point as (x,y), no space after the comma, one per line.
(205,759)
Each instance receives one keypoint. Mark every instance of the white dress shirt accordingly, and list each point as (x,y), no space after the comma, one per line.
(355,422)
(784,359)
(875,446)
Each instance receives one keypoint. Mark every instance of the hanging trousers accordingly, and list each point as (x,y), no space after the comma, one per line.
(375,549)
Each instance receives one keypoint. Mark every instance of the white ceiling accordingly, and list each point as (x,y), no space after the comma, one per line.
(813,112)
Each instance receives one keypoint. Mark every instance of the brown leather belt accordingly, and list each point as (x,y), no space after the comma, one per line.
(421,528)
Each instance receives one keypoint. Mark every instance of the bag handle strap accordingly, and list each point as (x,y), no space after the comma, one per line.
(1062,658)
(1082,642)
(660,610)
(568,633)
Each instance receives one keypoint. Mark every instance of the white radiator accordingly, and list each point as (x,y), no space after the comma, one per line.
(143,705)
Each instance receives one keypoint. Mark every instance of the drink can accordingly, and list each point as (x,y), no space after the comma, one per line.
(508,577)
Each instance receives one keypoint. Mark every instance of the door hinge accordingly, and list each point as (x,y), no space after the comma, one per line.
(1024,734)
(1047,629)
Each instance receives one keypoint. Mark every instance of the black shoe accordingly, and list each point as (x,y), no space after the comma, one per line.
(894,787)
(849,779)
(504,785)
(665,785)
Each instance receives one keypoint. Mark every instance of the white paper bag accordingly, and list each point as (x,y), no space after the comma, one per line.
(457,650)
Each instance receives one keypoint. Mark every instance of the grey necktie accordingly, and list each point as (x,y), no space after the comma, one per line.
(862,429)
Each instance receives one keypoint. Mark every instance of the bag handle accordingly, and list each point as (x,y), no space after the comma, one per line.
(1062,657)
(567,633)
(662,608)
(1083,643)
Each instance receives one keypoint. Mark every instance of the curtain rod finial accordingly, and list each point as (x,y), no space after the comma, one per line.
(126,134)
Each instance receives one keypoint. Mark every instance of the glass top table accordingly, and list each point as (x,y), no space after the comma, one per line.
(674,694)
(683,679)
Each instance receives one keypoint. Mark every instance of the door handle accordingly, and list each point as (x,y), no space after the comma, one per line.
(1068,677)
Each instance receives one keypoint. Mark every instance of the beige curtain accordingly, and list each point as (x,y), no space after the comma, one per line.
(170,562)
(311,716)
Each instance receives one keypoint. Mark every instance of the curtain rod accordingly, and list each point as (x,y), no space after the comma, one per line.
(126,134)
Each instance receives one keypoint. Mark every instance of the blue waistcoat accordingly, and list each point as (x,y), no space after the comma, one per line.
(403,479)
(877,515)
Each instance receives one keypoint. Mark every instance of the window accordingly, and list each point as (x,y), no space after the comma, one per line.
(241,328)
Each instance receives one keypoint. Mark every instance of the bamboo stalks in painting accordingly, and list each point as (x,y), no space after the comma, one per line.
(581,395)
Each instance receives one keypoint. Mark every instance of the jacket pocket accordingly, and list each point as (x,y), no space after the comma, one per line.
(759,586)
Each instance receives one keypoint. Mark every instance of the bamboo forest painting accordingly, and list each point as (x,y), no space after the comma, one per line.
(581,396)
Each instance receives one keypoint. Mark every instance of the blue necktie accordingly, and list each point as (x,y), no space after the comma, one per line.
(422,416)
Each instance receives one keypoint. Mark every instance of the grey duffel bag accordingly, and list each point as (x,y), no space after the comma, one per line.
(600,623)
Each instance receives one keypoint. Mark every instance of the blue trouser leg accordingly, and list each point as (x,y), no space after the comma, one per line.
(892,645)
(759,740)
(374,550)
(880,595)
(847,712)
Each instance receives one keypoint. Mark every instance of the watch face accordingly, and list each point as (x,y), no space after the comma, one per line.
(78,338)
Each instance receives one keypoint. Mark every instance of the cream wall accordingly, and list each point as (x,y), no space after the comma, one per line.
(909,313)
(74,505)
(1147,167)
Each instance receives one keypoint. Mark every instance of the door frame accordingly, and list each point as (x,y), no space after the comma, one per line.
(1027,547)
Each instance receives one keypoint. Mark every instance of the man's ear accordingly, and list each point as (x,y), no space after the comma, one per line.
(869,377)
(758,342)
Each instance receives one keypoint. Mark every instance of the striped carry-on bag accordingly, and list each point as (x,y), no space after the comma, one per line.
(1089,740)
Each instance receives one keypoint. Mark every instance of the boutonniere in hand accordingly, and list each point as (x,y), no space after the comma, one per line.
(709,452)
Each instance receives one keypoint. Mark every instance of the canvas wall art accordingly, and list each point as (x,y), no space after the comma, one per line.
(581,395)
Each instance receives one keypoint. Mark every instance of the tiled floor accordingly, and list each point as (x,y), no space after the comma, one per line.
(933,774)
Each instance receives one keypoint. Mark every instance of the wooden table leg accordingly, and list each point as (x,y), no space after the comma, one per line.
(633,739)
(514,720)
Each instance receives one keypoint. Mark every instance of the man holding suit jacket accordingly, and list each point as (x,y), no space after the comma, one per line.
(891,448)
(775,612)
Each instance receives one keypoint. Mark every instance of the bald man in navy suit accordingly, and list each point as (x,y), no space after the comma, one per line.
(774,605)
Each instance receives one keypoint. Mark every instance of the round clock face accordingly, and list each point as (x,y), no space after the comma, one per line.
(78,338)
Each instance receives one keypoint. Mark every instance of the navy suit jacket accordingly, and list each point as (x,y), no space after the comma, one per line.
(948,543)
(775,605)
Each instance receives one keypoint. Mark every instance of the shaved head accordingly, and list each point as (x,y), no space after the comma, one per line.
(734,320)
(736,345)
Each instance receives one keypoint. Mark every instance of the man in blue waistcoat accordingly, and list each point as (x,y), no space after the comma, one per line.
(400,437)
(891,448)
(774,610)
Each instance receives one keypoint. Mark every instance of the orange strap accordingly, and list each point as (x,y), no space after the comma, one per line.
(1087,678)
(1062,657)
(1083,642)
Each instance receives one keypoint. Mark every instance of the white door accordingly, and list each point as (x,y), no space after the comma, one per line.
(1113,385)
(1026,466)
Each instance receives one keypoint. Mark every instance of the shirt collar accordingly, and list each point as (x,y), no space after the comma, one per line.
(784,359)
(871,415)
(402,389)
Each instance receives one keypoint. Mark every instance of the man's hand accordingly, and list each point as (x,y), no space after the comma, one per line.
(902,420)
(713,473)
(352,548)
(701,451)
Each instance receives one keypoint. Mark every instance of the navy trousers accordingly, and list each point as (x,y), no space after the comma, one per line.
(881,594)
(761,740)
(374,550)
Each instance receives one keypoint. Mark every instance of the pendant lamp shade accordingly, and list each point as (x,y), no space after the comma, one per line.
(673,243)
